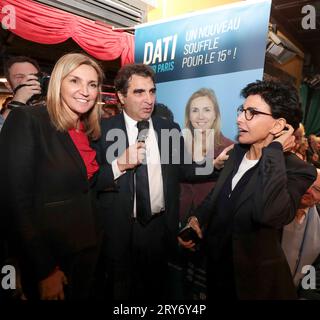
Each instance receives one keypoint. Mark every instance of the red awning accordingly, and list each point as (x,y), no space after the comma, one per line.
(43,24)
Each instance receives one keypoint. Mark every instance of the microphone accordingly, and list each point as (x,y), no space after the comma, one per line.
(143,129)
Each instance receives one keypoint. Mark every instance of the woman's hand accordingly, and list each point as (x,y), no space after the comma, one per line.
(194,224)
(286,138)
(219,161)
(51,288)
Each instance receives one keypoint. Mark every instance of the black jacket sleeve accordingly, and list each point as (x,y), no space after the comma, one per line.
(283,179)
(18,165)
(104,180)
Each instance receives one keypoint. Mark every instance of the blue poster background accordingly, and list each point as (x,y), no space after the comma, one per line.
(221,48)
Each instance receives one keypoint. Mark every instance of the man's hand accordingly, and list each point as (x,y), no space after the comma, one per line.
(194,224)
(219,161)
(132,156)
(51,288)
(30,87)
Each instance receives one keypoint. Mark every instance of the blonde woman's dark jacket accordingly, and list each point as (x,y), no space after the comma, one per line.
(48,208)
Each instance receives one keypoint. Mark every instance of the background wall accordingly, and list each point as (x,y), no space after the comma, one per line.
(171,8)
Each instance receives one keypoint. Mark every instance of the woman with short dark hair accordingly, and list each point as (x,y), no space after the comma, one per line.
(258,192)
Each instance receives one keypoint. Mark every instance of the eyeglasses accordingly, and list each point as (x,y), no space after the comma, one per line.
(250,112)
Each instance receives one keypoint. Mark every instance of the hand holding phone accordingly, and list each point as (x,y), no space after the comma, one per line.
(188,233)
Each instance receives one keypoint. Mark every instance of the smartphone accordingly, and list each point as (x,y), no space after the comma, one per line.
(188,233)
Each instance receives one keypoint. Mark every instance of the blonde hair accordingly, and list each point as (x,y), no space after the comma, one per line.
(216,125)
(56,109)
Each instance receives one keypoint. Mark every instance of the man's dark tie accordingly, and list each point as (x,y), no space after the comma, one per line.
(143,206)
(143,195)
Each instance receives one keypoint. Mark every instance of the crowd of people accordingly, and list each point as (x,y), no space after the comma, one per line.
(93,197)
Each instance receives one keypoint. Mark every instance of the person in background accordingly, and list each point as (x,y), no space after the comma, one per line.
(109,110)
(3,245)
(48,170)
(161,110)
(313,152)
(301,237)
(257,193)
(1,120)
(301,149)
(301,143)
(299,134)
(22,80)
(4,111)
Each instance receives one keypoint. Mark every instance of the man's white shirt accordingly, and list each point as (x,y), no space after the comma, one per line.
(153,161)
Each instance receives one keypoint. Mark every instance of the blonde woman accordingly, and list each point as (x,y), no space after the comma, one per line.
(203,139)
(47,170)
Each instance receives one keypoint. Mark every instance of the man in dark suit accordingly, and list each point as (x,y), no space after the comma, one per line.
(137,250)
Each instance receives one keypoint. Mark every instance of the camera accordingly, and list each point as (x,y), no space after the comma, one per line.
(43,78)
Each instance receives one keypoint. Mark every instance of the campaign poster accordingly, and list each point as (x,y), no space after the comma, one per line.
(222,48)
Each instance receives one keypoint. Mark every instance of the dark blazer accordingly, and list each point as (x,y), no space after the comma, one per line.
(45,191)
(117,205)
(267,203)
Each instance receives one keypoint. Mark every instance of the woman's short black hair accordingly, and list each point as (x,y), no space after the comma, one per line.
(282,97)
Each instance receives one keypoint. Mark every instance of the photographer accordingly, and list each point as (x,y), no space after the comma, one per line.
(22,75)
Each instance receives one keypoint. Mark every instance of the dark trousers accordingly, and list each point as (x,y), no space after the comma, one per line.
(143,275)
(150,265)
(220,280)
